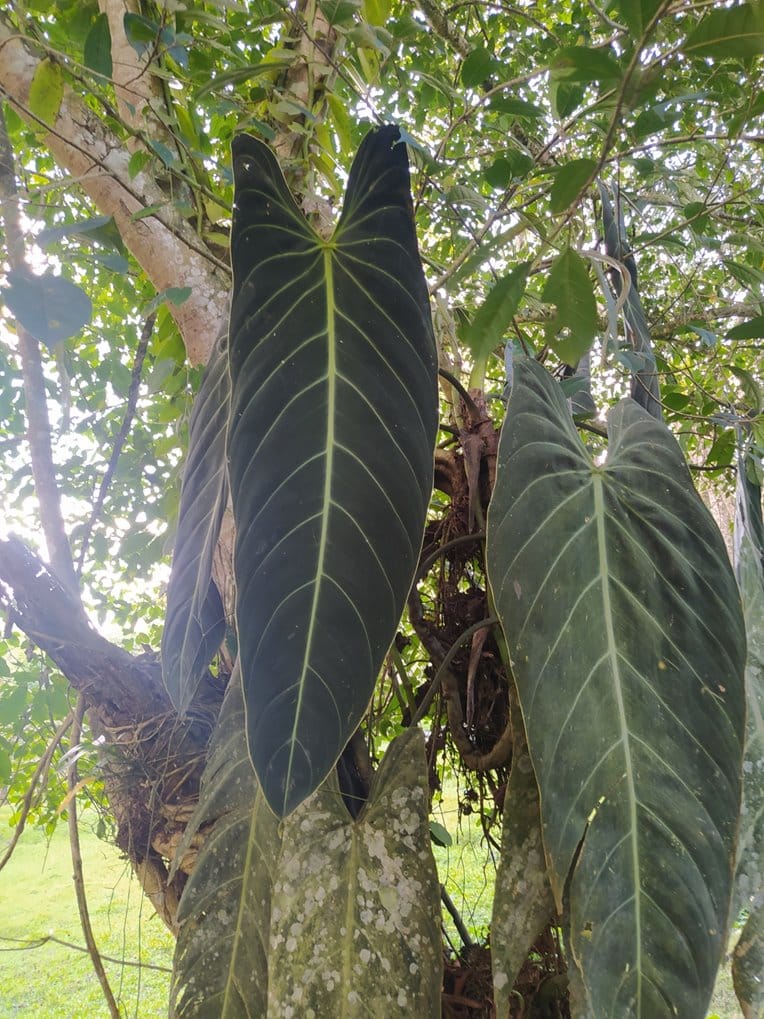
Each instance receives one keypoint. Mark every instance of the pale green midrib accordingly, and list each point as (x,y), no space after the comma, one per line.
(599,512)
(331,386)
(246,873)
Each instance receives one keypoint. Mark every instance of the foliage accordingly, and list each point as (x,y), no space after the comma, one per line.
(121,126)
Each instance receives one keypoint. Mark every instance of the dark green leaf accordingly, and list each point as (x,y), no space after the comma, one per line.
(637,14)
(97,51)
(440,835)
(748,957)
(142,33)
(575,323)
(494,316)
(49,307)
(623,621)
(195,623)
(584,65)
(565,97)
(568,182)
(722,452)
(753,329)
(645,385)
(729,32)
(333,421)
(227,899)
(515,107)
(477,67)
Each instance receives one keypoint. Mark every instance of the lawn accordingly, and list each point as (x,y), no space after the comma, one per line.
(37,900)
(54,981)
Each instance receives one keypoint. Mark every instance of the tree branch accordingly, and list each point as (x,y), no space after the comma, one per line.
(164,244)
(35,397)
(124,687)
(124,431)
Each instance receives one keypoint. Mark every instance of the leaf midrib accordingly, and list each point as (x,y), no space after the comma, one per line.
(612,651)
(326,502)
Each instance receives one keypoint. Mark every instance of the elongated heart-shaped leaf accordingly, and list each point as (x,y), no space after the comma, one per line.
(195,623)
(220,969)
(356,908)
(645,386)
(333,419)
(748,959)
(624,624)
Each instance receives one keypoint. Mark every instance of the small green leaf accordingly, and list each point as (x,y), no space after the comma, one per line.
(142,33)
(636,14)
(569,181)
(49,307)
(97,50)
(46,91)
(343,124)
(175,295)
(575,324)
(241,74)
(722,451)
(499,173)
(494,316)
(729,32)
(477,67)
(440,835)
(753,329)
(339,12)
(584,65)
(137,161)
(565,97)
(515,107)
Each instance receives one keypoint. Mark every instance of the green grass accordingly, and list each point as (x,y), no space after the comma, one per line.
(56,982)
(37,900)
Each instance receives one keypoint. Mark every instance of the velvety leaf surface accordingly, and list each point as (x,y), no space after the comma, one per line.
(195,622)
(221,957)
(625,629)
(355,925)
(333,419)
(748,958)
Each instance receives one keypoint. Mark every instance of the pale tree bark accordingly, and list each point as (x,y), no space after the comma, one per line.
(164,244)
(134,86)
